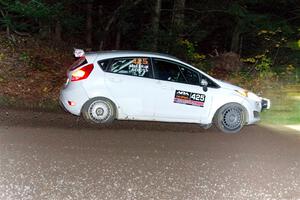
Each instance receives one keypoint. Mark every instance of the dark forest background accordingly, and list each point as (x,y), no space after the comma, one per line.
(242,26)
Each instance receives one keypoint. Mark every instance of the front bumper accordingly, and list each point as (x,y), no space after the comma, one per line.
(255,107)
(265,104)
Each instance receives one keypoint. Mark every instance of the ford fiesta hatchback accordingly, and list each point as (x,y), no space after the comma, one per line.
(133,85)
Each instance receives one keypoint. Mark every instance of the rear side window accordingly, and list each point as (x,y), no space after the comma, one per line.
(131,66)
(104,64)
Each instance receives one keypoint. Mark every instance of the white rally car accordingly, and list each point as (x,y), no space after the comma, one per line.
(133,85)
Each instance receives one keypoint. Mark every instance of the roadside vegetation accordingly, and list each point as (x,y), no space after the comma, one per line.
(254,44)
(285,106)
(31,72)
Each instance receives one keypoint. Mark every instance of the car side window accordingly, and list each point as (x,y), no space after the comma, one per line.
(169,71)
(191,76)
(131,66)
(211,84)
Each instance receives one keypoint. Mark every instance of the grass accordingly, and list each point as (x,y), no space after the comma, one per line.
(285,107)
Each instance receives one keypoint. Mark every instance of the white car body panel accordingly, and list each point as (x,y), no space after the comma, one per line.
(134,96)
(138,98)
(165,108)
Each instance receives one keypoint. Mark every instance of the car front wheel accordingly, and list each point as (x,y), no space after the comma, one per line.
(230,118)
(99,110)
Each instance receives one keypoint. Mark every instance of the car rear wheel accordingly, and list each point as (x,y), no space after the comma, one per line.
(99,110)
(230,118)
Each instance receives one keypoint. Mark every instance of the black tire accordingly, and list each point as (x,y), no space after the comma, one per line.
(99,110)
(230,118)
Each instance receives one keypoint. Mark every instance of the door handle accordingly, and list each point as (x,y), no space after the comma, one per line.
(163,86)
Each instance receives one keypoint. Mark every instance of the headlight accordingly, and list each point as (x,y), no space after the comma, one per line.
(243,92)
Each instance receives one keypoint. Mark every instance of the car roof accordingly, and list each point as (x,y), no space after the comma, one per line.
(117,53)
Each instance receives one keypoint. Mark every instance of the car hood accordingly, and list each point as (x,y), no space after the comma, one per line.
(231,87)
(228,86)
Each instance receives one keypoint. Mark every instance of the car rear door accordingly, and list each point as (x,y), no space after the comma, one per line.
(129,80)
(180,96)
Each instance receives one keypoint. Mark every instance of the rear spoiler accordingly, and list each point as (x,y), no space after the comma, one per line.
(78,53)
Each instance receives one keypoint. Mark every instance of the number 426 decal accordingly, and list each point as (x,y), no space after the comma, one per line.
(189,98)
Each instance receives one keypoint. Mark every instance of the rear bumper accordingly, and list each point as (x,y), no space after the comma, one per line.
(73,94)
(75,110)
(62,105)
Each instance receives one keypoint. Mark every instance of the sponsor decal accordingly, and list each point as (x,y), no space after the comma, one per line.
(139,67)
(189,98)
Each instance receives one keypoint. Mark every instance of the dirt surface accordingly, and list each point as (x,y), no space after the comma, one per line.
(59,156)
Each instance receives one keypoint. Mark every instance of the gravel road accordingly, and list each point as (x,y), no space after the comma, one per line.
(57,156)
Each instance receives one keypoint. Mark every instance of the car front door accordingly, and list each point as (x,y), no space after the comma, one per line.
(180,96)
(130,82)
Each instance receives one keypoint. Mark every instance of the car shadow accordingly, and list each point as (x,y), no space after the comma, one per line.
(33,118)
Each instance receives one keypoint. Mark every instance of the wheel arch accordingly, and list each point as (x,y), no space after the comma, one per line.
(219,106)
(246,113)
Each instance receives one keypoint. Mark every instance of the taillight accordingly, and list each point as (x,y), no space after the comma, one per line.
(82,73)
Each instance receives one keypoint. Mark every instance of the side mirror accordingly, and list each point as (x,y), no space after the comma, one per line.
(204,84)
